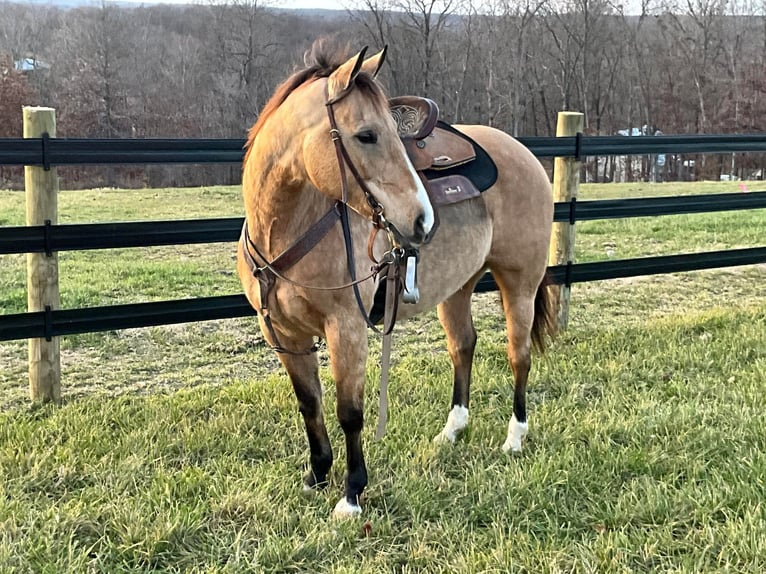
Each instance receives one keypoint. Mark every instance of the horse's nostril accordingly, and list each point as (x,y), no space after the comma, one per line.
(420,228)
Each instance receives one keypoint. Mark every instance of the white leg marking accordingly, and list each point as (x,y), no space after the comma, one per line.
(428,210)
(456,422)
(344,509)
(516,432)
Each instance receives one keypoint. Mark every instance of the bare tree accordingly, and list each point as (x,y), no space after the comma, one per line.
(15,92)
(697,40)
(205,70)
(512,54)
(378,22)
(424,20)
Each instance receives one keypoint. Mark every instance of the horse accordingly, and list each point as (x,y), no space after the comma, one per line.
(303,211)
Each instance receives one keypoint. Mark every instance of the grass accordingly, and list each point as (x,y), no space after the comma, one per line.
(646,236)
(129,275)
(179,449)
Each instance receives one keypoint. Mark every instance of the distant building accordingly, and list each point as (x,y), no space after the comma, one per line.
(30,65)
(632,167)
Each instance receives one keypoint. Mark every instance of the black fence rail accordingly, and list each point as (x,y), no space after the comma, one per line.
(82,237)
(49,238)
(71,151)
(48,324)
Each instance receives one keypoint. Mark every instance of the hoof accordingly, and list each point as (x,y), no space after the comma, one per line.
(445,438)
(345,509)
(516,433)
(456,423)
(311,484)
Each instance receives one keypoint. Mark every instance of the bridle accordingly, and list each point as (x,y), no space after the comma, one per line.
(378,219)
(269,271)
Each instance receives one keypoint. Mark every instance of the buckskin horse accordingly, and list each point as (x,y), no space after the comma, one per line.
(325,169)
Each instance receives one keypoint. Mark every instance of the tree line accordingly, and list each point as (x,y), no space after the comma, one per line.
(206,70)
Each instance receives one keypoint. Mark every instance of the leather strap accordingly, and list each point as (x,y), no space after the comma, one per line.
(267,274)
(378,219)
(389,317)
(300,248)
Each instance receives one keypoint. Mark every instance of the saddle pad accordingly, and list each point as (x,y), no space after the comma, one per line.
(481,172)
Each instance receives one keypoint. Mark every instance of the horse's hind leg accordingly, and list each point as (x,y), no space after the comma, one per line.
(519,308)
(304,375)
(455,317)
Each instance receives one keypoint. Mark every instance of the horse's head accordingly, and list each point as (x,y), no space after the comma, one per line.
(379,174)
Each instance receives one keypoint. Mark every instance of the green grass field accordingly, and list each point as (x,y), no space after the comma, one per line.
(180,449)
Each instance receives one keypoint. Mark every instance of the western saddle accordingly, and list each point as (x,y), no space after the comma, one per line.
(455,167)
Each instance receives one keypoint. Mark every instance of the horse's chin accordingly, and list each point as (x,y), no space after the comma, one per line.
(406,241)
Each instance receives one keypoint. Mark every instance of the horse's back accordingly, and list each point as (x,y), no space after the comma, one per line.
(521,176)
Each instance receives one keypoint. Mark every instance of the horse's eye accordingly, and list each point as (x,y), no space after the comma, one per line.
(367,137)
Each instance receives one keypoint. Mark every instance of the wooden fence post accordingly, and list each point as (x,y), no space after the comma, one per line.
(566,181)
(42,269)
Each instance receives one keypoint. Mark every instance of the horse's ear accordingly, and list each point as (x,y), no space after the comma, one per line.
(373,64)
(343,78)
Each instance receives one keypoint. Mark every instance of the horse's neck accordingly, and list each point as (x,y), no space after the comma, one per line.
(281,204)
(279,208)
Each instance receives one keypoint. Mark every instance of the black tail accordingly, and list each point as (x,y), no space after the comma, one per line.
(544,326)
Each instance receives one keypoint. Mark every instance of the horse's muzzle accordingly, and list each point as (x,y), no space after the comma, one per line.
(415,238)
(420,233)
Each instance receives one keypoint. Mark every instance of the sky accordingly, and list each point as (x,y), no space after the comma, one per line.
(632,6)
(326,4)
(302,4)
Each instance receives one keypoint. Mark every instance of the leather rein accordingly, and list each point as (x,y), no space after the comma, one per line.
(269,271)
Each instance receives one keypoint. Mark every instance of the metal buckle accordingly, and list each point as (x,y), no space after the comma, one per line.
(378,219)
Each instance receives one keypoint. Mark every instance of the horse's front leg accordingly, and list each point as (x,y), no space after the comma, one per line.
(347,345)
(304,375)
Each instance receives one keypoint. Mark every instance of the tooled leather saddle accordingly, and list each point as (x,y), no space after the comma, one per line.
(455,167)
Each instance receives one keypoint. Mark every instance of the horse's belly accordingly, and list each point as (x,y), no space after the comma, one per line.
(457,252)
